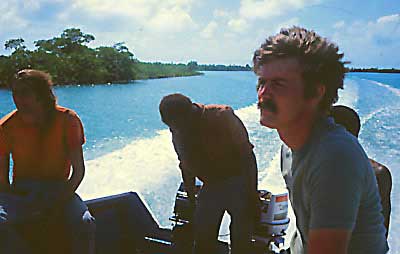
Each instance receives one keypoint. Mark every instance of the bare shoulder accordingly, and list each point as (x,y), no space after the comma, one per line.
(379,168)
(8,118)
(68,113)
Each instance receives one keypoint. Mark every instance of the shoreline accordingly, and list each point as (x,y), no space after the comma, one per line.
(122,82)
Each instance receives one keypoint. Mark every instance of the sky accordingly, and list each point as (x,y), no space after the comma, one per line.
(210,31)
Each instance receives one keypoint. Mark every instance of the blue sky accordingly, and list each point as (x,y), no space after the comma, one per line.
(210,31)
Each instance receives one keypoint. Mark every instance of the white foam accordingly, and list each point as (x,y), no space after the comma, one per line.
(142,163)
(349,95)
(136,167)
(369,116)
(273,180)
(394,90)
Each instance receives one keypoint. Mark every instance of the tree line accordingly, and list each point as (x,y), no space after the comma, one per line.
(193,65)
(70,60)
(391,70)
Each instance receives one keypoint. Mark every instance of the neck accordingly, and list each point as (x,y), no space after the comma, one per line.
(39,118)
(296,135)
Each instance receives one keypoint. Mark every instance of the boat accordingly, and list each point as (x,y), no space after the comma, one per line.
(125,225)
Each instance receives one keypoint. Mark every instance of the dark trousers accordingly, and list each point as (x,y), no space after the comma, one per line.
(229,195)
(33,201)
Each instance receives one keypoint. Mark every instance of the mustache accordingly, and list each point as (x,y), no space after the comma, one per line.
(268,105)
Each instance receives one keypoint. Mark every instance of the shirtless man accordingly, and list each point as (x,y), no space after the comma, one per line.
(351,121)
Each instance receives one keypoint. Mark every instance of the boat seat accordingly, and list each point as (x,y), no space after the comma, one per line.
(122,223)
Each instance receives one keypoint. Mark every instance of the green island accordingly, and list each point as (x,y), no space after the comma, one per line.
(69,60)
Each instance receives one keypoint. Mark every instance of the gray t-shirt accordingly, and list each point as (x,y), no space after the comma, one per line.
(332,185)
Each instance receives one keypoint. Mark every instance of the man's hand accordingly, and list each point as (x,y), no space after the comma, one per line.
(188,181)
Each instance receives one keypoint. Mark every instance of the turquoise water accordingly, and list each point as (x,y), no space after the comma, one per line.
(129,149)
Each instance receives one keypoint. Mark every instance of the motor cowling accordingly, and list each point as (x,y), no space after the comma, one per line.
(273,221)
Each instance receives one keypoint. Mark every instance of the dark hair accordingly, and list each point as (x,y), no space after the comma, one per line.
(174,107)
(347,117)
(37,82)
(318,57)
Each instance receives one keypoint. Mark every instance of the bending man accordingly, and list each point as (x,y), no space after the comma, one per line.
(212,144)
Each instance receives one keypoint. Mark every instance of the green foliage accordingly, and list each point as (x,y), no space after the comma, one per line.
(118,62)
(221,67)
(160,70)
(192,65)
(69,60)
(15,44)
(392,70)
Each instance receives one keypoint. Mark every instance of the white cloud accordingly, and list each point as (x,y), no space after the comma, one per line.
(238,25)
(385,27)
(170,21)
(31,4)
(34,5)
(168,16)
(389,19)
(209,30)
(221,13)
(138,9)
(10,18)
(339,24)
(131,8)
(288,23)
(253,9)
(386,23)
(373,43)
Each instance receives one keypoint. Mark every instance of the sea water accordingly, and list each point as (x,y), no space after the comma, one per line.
(128,148)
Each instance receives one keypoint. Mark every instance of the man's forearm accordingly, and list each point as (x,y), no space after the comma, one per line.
(189,183)
(75,180)
(78,169)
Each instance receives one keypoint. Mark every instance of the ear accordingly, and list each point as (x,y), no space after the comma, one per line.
(318,95)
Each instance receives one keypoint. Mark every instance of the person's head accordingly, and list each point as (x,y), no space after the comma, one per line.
(32,93)
(176,111)
(297,66)
(347,117)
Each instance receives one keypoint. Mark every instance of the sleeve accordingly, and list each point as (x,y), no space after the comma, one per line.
(4,146)
(75,134)
(178,146)
(236,130)
(336,189)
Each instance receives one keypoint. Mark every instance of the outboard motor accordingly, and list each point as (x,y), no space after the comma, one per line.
(273,223)
(182,218)
(269,232)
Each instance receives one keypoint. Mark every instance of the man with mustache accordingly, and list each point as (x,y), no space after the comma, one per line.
(212,144)
(331,184)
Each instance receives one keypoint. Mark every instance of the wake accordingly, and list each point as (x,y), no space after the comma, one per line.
(394,90)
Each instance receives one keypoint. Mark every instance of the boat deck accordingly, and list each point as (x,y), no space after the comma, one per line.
(124,225)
